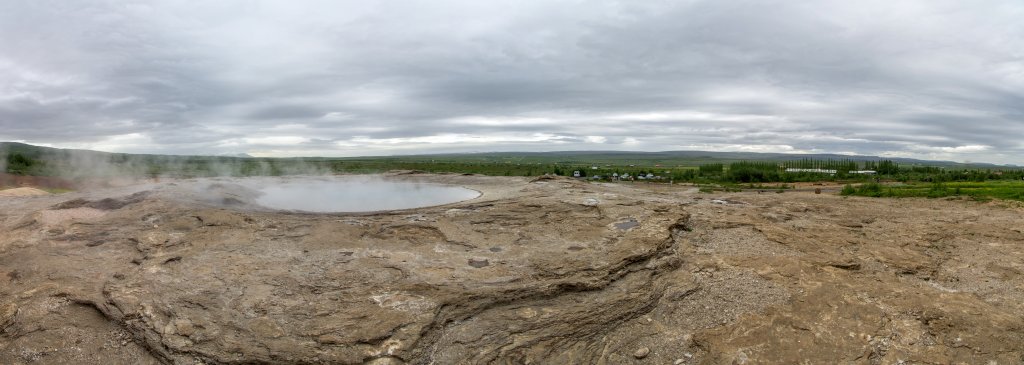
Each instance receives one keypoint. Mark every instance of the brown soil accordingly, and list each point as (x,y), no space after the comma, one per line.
(25,191)
(46,182)
(539,272)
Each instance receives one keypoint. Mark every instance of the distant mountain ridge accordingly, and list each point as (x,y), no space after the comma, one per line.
(710,156)
(240,155)
(579,157)
(37,151)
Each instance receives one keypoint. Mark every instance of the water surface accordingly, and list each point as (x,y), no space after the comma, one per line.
(357,195)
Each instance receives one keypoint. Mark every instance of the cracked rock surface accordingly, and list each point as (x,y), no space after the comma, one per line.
(533,271)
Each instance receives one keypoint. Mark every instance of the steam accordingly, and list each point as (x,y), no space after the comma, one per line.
(338,194)
(89,165)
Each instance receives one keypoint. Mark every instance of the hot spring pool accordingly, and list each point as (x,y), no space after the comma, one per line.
(348,195)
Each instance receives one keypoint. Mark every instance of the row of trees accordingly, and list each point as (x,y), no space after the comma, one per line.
(766,171)
(884,167)
(771,171)
(807,163)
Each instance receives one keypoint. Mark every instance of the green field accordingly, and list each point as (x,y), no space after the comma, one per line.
(982,191)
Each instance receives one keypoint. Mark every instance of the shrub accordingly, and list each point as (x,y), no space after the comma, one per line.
(938,190)
(19,164)
(848,190)
(870,189)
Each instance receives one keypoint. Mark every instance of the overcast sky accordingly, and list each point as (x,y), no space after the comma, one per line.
(928,79)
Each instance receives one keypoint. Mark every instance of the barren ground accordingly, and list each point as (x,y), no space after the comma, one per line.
(542,272)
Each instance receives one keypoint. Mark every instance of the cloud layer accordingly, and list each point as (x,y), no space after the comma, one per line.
(929,79)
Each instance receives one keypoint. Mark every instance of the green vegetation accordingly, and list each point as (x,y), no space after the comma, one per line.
(981,191)
(848,190)
(18,164)
(710,171)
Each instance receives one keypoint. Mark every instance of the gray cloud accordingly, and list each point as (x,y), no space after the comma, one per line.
(931,79)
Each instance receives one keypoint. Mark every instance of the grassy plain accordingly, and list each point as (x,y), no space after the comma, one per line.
(982,191)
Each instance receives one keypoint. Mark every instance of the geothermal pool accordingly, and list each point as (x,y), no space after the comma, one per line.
(348,195)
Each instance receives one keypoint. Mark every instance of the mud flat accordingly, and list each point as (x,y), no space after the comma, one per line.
(532,271)
(23,191)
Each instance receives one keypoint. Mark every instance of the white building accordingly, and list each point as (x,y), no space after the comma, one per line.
(818,171)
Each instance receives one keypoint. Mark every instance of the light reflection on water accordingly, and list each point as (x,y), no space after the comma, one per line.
(357,195)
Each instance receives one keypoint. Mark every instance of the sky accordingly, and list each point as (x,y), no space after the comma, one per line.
(933,79)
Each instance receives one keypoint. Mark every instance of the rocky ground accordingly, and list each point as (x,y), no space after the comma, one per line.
(552,271)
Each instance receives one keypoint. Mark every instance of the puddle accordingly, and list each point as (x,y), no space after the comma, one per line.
(479,263)
(627,224)
(349,195)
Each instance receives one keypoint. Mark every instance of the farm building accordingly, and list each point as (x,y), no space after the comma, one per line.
(818,171)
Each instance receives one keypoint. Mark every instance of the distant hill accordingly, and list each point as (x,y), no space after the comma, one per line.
(32,151)
(46,161)
(239,155)
(672,158)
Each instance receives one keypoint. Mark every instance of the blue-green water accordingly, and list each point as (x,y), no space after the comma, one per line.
(357,195)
